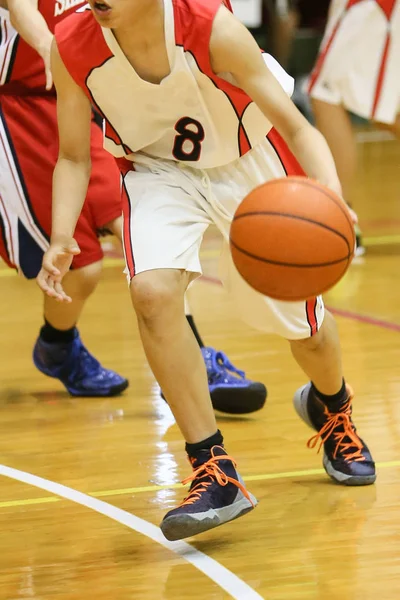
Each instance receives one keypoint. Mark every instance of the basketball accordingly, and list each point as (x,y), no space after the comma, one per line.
(292,238)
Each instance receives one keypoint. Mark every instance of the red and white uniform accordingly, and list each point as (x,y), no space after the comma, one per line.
(28,154)
(358,63)
(198,145)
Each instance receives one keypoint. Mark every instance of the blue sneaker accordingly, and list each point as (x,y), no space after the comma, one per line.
(77,369)
(217,495)
(347,459)
(230,391)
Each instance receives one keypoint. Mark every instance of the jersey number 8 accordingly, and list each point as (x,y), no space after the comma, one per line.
(193,136)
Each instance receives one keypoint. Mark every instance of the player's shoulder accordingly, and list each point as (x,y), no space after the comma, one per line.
(79,24)
(194,20)
(200,8)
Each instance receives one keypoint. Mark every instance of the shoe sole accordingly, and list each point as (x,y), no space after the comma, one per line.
(300,405)
(114,390)
(342,478)
(239,401)
(179,527)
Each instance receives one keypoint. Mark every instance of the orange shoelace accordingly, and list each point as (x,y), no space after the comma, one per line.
(340,419)
(211,469)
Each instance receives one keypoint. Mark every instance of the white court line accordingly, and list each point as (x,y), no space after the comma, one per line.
(228,581)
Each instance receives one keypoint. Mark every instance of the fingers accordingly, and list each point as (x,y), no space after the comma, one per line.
(74,250)
(61,295)
(49,267)
(52,288)
(353,215)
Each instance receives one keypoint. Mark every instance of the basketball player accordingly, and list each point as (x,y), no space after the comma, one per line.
(192,144)
(357,70)
(28,153)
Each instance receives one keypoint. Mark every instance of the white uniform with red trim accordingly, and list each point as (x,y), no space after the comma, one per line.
(198,144)
(358,63)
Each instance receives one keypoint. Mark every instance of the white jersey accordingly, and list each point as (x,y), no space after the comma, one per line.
(192,116)
(358,62)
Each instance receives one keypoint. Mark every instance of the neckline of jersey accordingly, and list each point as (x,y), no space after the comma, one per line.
(169,29)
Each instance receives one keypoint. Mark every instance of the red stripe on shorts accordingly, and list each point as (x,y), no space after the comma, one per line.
(126,209)
(311,308)
(381,75)
(316,72)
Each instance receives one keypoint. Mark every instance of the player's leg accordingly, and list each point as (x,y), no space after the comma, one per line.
(27,128)
(325,403)
(334,122)
(230,390)
(79,285)
(159,275)
(59,351)
(393,128)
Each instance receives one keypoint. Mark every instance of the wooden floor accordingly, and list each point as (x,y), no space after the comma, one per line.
(307,540)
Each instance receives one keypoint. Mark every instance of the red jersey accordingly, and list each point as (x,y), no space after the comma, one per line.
(21,67)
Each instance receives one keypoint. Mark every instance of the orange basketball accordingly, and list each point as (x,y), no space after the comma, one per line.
(292,238)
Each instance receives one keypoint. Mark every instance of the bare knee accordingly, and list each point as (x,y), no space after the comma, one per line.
(115,227)
(327,331)
(82,282)
(310,344)
(158,294)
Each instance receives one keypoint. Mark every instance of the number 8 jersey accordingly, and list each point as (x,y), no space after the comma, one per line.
(192,116)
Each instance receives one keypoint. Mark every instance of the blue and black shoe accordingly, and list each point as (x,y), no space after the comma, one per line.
(347,459)
(77,369)
(217,495)
(230,390)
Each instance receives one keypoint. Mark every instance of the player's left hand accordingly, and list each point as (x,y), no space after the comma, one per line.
(56,263)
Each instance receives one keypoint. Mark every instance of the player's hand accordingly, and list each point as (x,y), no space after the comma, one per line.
(337,188)
(56,263)
(353,214)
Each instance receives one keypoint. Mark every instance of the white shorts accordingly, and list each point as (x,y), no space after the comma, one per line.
(358,63)
(168,207)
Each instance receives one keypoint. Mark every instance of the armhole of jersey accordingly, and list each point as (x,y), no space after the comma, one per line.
(193,27)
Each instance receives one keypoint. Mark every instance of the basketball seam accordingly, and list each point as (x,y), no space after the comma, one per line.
(338,203)
(286,264)
(310,183)
(290,216)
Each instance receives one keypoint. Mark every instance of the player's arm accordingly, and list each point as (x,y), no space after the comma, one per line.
(31,26)
(234,50)
(71,176)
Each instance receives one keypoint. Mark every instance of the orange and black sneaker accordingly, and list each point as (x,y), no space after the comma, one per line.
(347,459)
(217,495)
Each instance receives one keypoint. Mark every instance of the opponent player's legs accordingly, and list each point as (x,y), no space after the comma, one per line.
(334,122)
(59,351)
(79,285)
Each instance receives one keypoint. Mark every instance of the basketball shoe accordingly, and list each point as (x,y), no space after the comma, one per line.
(346,459)
(230,390)
(77,369)
(217,495)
